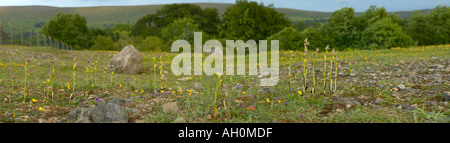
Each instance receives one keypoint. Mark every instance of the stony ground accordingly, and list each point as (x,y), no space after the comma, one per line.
(397,85)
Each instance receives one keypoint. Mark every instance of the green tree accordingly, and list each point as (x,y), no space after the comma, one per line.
(341,28)
(151,25)
(385,34)
(289,39)
(151,43)
(104,43)
(70,29)
(250,20)
(179,29)
(430,29)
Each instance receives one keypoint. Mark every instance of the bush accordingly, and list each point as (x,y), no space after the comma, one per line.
(385,34)
(105,43)
(151,43)
(179,29)
(289,38)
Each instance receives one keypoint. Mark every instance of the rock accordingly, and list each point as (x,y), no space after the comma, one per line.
(180,120)
(412,90)
(169,108)
(111,112)
(73,115)
(129,61)
(401,87)
(447,96)
(197,85)
(40,120)
(347,101)
(378,101)
(85,116)
(436,66)
(434,58)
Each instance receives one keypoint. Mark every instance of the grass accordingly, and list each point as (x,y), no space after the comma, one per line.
(245,105)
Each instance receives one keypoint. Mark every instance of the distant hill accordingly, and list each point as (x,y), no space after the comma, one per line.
(31,16)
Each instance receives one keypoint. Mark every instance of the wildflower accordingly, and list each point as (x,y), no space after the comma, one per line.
(142,91)
(34,100)
(299,92)
(120,85)
(97,99)
(279,101)
(243,92)
(41,109)
(268,101)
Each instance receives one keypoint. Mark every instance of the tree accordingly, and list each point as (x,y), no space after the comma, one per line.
(341,28)
(70,29)
(151,25)
(250,20)
(151,43)
(147,26)
(179,29)
(385,34)
(104,43)
(289,39)
(430,29)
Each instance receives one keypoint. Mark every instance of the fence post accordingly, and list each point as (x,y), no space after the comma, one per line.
(45,40)
(21,35)
(1,34)
(38,40)
(31,33)
(50,41)
(12,39)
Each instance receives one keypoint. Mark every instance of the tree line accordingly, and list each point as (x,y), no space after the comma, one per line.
(373,29)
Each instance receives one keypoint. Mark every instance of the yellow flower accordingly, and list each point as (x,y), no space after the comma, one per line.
(299,92)
(34,100)
(243,92)
(41,109)
(120,85)
(279,101)
(268,101)
(162,91)
(142,91)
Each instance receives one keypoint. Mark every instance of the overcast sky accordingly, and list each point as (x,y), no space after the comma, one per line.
(314,5)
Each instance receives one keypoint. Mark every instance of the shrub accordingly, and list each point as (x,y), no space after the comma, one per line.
(151,43)
(105,43)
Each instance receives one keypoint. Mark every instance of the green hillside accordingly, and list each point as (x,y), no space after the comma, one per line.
(29,16)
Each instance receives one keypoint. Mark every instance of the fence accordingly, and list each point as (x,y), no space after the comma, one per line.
(30,38)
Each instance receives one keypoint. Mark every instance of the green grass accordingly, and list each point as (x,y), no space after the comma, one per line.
(198,107)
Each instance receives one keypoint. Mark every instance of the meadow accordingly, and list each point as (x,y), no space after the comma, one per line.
(43,84)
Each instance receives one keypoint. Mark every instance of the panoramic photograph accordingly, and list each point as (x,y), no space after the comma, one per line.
(227,61)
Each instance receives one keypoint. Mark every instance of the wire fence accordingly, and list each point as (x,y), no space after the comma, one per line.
(24,36)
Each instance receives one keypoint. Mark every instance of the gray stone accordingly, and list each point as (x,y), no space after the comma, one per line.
(73,115)
(170,108)
(129,61)
(447,96)
(412,90)
(85,115)
(111,112)
(378,101)
(401,87)
(348,101)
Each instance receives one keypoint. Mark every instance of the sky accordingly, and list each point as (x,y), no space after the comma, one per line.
(313,5)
